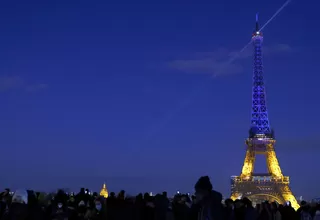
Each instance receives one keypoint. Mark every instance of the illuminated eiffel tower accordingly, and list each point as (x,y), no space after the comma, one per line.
(272,186)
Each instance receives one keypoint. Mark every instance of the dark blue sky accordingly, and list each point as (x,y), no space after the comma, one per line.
(122,92)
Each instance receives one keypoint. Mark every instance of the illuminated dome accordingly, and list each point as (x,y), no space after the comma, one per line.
(104,191)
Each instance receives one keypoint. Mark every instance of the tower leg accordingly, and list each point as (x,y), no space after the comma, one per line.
(248,165)
(272,163)
(288,196)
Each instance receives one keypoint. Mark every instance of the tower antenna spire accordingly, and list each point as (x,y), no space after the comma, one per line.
(257,22)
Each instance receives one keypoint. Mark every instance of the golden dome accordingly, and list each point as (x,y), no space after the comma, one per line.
(104,191)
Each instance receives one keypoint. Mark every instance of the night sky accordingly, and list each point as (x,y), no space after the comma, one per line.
(122,91)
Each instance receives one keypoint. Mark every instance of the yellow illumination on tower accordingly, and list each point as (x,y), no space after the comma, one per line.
(104,191)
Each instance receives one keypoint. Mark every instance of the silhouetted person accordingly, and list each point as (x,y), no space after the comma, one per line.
(228,210)
(97,211)
(194,210)
(265,212)
(276,215)
(18,209)
(239,210)
(148,210)
(317,213)
(161,206)
(209,200)
(138,207)
(288,213)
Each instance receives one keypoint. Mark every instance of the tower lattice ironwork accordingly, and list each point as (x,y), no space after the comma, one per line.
(272,186)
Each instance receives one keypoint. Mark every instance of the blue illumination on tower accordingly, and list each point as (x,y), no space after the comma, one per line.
(259,116)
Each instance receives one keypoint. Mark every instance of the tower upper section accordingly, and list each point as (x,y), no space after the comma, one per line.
(257,32)
(259,114)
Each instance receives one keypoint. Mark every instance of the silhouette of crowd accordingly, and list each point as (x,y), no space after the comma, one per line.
(205,204)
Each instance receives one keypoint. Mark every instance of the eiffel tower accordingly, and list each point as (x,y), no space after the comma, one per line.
(272,186)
